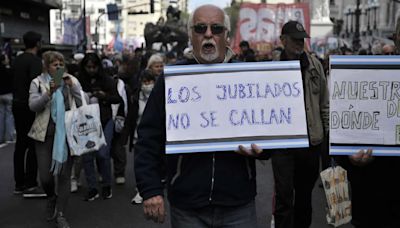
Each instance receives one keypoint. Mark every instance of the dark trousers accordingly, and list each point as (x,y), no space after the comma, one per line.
(215,216)
(44,157)
(25,169)
(295,174)
(118,153)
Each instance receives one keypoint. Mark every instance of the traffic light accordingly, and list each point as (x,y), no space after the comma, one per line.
(151,6)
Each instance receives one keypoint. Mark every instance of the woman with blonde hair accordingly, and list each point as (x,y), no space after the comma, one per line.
(50,95)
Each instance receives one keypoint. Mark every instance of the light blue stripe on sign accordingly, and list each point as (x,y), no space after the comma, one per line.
(225,67)
(365,60)
(377,150)
(232,146)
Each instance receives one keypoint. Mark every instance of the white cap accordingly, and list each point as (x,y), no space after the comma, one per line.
(79,56)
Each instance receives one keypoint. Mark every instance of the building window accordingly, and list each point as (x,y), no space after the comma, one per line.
(102,10)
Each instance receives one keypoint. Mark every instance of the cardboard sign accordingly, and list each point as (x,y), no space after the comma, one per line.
(218,107)
(365,104)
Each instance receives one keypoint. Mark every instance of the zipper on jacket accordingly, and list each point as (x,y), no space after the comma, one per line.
(178,169)
(212,177)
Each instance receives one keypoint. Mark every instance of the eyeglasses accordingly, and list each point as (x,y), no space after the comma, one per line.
(216,29)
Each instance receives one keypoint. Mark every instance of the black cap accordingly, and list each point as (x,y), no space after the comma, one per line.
(244,43)
(295,30)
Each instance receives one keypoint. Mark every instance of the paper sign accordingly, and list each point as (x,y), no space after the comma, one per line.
(365,104)
(218,107)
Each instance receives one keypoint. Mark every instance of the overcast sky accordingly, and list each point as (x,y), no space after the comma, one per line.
(194,3)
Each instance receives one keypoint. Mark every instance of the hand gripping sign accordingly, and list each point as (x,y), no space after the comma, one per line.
(218,107)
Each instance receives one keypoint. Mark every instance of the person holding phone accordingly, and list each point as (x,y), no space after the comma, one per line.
(50,95)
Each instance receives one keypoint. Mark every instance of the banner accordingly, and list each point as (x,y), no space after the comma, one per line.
(365,104)
(218,107)
(73,31)
(261,24)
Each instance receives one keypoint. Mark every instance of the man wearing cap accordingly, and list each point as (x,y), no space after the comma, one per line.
(296,170)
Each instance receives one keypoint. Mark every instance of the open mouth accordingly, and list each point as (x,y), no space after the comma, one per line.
(208,47)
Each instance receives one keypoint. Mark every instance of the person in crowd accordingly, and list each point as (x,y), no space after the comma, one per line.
(375,199)
(246,53)
(346,51)
(147,81)
(296,170)
(276,53)
(155,64)
(388,49)
(140,54)
(25,68)
(128,74)
(189,176)
(376,48)
(171,58)
(6,118)
(49,101)
(101,89)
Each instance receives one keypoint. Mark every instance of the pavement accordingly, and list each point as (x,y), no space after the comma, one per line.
(17,212)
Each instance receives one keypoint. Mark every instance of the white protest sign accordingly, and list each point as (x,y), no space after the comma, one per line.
(365,104)
(218,107)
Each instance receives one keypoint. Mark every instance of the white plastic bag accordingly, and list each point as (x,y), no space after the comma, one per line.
(83,128)
(336,189)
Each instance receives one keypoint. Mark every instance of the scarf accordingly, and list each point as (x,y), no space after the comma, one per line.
(60,150)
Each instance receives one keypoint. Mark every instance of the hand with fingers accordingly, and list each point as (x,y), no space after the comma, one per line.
(361,158)
(154,209)
(53,87)
(253,151)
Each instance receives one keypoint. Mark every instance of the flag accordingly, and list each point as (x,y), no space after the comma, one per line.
(73,31)
(118,43)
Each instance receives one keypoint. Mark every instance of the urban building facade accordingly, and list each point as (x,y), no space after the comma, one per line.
(100,31)
(34,15)
(365,21)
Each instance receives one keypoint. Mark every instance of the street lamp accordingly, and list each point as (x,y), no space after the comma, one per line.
(369,32)
(347,23)
(351,21)
(356,37)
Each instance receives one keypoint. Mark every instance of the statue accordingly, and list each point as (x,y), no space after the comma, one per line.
(321,10)
(172,32)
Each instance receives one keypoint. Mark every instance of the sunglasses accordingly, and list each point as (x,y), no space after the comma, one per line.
(216,29)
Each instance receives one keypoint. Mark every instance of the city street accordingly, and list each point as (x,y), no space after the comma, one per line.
(16,212)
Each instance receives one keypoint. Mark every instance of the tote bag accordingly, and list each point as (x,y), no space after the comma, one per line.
(83,128)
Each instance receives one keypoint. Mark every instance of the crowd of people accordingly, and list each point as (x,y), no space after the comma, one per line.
(129,89)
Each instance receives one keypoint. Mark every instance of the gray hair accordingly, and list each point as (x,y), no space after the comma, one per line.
(227,21)
(155,58)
